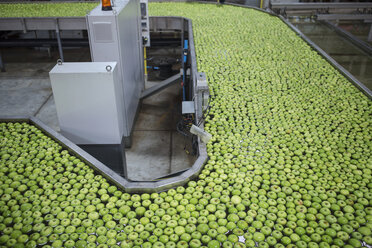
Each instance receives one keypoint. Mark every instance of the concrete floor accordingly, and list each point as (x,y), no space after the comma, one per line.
(157,146)
(158,149)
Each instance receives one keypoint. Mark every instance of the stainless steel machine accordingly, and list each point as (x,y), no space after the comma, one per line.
(117,36)
(97,101)
(89,102)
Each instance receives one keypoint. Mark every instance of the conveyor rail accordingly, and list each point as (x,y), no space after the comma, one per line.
(364,17)
(309,6)
(42,23)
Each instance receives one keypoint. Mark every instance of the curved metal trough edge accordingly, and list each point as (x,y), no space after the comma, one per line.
(110,175)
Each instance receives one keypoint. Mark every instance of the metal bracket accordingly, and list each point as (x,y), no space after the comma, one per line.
(188,107)
(162,85)
(202,94)
(187,73)
(59,41)
(24,25)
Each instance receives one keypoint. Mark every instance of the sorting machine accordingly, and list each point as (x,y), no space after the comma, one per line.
(97,101)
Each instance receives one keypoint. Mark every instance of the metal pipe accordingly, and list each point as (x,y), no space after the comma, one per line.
(369,39)
(59,43)
(183,64)
(75,42)
(2,67)
(145,61)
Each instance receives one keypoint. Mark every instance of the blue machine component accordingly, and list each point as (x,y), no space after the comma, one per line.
(153,67)
(185,52)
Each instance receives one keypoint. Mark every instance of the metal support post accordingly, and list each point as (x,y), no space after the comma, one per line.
(265,4)
(145,62)
(369,39)
(160,86)
(59,43)
(2,67)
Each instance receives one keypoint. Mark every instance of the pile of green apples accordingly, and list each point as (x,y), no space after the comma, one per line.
(289,162)
(51,9)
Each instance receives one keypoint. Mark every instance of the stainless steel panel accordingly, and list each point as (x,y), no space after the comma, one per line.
(188,107)
(166,23)
(102,32)
(41,23)
(124,46)
(87,97)
(130,49)
(11,24)
(72,23)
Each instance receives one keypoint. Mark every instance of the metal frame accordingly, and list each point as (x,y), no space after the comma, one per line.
(44,23)
(361,44)
(319,8)
(365,17)
(161,86)
(301,6)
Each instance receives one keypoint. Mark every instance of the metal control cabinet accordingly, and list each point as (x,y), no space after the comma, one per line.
(116,36)
(145,22)
(89,102)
